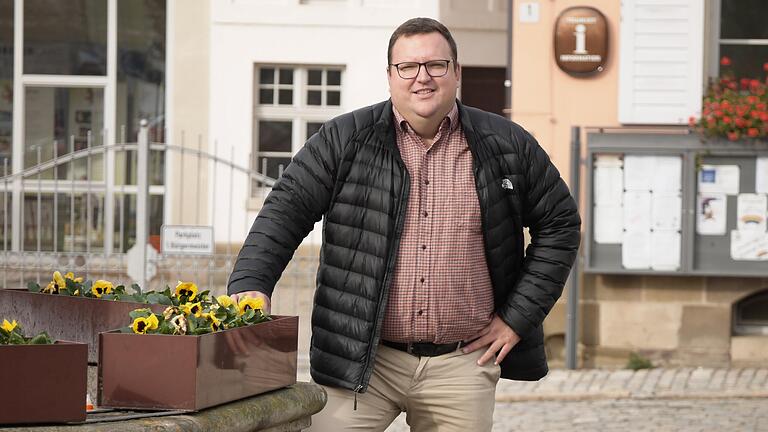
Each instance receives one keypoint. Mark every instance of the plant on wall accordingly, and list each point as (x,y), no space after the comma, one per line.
(734,107)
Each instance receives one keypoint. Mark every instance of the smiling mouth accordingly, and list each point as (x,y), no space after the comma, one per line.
(424,91)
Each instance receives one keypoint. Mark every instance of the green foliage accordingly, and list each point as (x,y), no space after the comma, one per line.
(637,362)
(204,315)
(11,334)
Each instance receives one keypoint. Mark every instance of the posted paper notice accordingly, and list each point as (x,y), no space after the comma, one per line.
(608,224)
(665,250)
(636,250)
(719,179)
(749,246)
(637,211)
(666,209)
(711,214)
(750,212)
(761,175)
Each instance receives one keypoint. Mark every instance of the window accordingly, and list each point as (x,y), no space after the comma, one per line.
(58,121)
(750,316)
(140,68)
(292,102)
(743,36)
(71,95)
(65,38)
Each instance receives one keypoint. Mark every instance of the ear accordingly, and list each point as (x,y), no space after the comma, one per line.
(458,72)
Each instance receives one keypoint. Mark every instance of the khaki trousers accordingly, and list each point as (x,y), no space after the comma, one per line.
(445,393)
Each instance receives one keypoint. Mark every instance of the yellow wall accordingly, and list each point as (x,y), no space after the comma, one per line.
(545,100)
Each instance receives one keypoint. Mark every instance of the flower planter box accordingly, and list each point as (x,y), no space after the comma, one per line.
(43,383)
(195,372)
(78,319)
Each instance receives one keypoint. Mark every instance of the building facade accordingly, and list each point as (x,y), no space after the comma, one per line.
(661,55)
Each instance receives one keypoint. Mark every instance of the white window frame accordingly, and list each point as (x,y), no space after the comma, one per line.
(108,83)
(299,113)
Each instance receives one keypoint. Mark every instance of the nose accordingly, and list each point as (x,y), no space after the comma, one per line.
(423,75)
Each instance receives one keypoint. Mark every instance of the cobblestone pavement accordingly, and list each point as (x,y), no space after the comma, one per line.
(685,399)
(627,415)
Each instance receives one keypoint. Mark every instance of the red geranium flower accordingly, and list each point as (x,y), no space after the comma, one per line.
(725,61)
(733,136)
(752,132)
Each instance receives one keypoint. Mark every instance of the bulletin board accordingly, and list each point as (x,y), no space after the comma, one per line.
(670,204)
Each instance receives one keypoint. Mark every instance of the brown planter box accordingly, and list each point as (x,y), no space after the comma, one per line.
(195,372)
(78,319)
(43,383)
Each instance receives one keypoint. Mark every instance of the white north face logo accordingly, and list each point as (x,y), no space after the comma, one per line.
(507,184)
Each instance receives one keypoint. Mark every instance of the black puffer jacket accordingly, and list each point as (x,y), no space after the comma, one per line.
(351,173)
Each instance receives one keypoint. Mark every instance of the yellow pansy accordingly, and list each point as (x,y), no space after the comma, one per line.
(152,322)
(71,276)
(195,309)
(215,322)
(224,300)
(9,326)
(246,303)
(186,289)
(56,284)
(140,325)
(101,287)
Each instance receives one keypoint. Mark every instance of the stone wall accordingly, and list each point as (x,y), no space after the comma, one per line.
(674,321)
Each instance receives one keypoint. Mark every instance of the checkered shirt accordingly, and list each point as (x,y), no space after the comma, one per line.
(441,290)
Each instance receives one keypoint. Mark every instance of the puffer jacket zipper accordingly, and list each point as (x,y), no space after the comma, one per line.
(381,307)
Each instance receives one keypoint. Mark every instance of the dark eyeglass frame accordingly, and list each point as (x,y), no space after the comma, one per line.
(418,69)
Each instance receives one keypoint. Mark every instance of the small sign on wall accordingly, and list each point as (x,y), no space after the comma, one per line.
(187,239)
(529,12)
(581,40)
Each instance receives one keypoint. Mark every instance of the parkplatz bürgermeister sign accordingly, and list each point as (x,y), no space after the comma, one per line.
(186,239)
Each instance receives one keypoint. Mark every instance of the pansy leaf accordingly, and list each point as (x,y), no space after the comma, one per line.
(202,330)
(33,287)
(41,339)
(16,339)
(136,288)
(139,313)
(126,329)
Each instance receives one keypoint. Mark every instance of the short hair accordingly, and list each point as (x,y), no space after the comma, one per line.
(416,26)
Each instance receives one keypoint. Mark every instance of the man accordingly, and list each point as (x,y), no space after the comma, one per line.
(423,288)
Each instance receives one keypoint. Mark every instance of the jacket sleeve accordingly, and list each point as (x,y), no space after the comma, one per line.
(297,201)
(555,227)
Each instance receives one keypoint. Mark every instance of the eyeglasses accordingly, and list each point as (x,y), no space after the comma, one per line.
(410,70)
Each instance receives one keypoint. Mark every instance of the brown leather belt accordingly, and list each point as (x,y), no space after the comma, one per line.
(424,349)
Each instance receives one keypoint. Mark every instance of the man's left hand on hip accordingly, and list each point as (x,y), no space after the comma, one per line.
(498,337)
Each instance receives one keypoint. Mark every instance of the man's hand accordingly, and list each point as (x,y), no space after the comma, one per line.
(255,294)
(241,342)
(499,336)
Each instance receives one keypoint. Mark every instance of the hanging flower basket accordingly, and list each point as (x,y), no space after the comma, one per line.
(734,108)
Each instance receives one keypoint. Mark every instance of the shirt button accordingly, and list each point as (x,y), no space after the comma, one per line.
(426,214)
(420,312)
(423,247)
(421,280)
(426,182)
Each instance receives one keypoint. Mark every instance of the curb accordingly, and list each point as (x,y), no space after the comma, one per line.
(575,397)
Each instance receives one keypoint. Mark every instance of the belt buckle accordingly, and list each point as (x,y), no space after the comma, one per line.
(409,348)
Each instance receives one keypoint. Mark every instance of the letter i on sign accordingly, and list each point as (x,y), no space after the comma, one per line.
(581,39)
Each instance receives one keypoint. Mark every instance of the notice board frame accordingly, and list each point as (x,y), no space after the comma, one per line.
(694,260)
